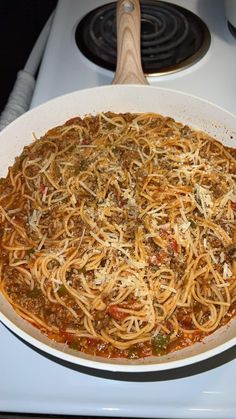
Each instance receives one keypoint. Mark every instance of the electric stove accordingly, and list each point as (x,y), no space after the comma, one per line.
(31,382)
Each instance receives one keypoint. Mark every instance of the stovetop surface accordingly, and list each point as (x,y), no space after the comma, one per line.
(65,69)
(32,383)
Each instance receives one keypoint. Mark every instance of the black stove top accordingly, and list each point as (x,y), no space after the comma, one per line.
(172,37)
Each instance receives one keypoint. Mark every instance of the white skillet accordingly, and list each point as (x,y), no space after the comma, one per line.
(133,95)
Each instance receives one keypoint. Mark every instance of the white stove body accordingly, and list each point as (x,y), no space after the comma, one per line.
(32,383)
(65,69)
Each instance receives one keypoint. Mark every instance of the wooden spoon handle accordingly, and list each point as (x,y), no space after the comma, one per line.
(129,67)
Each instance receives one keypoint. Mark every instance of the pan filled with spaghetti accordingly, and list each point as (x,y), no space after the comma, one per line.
(117,228)
(118,232)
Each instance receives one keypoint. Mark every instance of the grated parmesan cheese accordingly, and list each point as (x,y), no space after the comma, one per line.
(166,287)
(203,200)
(222,257)
(184,227)
(228,197)
(226,271)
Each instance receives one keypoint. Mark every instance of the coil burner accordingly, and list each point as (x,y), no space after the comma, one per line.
(172,38)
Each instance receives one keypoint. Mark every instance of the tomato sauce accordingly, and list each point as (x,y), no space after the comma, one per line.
(97,347)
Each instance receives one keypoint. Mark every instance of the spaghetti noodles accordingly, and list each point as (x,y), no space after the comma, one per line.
(118,234)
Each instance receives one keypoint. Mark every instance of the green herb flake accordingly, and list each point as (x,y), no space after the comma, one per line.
(193,224)
(62,291)
(160,344)
(74,344)
(83,165)
(34,293)
(30,252)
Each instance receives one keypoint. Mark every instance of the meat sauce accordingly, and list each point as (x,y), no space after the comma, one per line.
(96,347)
